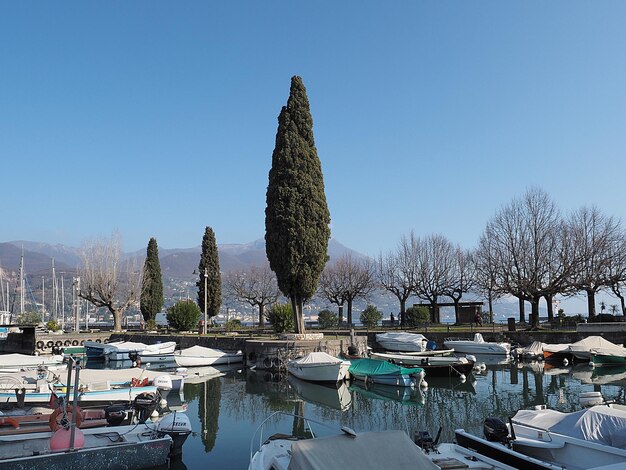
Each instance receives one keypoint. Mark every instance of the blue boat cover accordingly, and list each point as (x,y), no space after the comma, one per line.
(372,367)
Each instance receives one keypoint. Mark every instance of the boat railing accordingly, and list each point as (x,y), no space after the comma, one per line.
(261,428)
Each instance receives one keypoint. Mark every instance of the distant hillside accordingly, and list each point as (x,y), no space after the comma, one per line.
(176,263)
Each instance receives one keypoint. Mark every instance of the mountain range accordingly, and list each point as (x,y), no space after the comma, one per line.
(176,263)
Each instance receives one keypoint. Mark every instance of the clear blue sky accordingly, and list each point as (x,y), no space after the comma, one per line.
(159,118)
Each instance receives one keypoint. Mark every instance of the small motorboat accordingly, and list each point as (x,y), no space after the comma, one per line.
(199,356)
(348,449)
(17,362)
(130,350)
(319,367)
(386,373)
(477,346)
(401,341)
(582,350)
(436,366)
(608,357)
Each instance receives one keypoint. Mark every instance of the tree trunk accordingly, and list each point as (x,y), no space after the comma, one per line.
(349,313)
(522,313)
(534,313)
(490,299)
(402,312)
(591,303)
(619,295)
(117,318)
(549,306)
(435,314)
(261,315)
(340,315)
(298,318)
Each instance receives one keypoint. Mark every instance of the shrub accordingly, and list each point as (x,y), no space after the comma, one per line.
(29,318)
(327,319)
(371,316)
(151,325)
(184,315)
(281,317)
(417,316)
(52,325)
(232,325)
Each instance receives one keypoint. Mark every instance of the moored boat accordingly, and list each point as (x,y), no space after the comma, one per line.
(478,346)
(10,362)
(436,366)
(386,373)
(582,350)
(608,357)
(319,367)
(199,356)
(401,341)
(131,350)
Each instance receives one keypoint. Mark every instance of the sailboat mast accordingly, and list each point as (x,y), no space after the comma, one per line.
(22,283)
(62,303)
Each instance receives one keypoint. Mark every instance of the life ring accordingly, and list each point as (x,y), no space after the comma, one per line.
(98,340)
(55,422)
(59,343)
(49,344)
(75,342)
(11,421)
(40,344)
(267,363)
(67,342)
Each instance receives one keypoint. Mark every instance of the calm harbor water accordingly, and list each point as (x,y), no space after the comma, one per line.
(226,410)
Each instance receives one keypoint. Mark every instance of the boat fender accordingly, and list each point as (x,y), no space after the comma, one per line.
(60,440)
(75,342)
(82,343)
(277,363)
(40,344)
(98,340)
(49,344)
(267,363)
(56,418)
(135,382)
(67,342)
(59,343)
(424,384)
(11,421)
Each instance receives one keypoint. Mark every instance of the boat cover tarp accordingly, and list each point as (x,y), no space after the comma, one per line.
(159,347)
(201,351)
(535,349)
(385,449)
(594,342)
(599,424)
(126,346)
(415,338)
(370,367)
(556,348)
(318,358)
(616,352)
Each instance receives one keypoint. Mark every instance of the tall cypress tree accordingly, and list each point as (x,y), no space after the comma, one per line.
(151,300)
(296,217)
(209,259)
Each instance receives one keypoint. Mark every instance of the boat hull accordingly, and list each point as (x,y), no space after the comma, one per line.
(132,455)
(398,380)
(95,396)
(319,372)
(471,347)
(607,360)
(201,361)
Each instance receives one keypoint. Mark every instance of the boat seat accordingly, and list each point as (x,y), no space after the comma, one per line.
(447,463)
(96,386)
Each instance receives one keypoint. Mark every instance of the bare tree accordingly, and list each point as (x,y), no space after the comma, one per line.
(331,288)
(256,287)
(106,281)
(523,234)
(594,237)
(486,273)
(617,268)
(434,258)
(396,272)
(462,277)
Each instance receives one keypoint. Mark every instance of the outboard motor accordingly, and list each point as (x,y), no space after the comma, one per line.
(353,351)
(178,427)
(426,442)
(164,384)
(115,414)
(145,404)
(496,431)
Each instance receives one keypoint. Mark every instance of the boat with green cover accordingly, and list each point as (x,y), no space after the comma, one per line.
(386,373)
(608,357)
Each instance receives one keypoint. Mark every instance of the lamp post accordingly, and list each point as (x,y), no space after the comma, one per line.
(206,276)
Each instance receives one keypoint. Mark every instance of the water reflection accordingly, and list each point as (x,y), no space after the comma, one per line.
(225,411)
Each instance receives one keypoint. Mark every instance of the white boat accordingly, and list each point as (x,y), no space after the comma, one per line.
(477,346)
(582,350)
(95,350)
(401,341)
(131,447)
(9,362)
(128,350)
(199,356)
(319,367)
(590,438)
(435,366)
(385,449)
